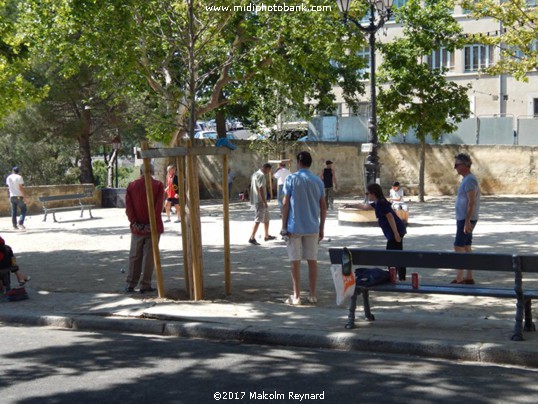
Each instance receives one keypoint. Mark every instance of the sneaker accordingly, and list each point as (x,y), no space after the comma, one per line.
(312,300)
(167,221)
(292,301)
(253,241)
(21,226)
(269,238)
(147,290)
(15,228)
(129,290)
(177,221)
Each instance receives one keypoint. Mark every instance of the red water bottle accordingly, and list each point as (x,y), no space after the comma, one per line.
(414,280)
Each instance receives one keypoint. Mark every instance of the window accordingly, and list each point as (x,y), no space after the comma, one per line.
(362,109)
(535,106)
(478,57)
(441,58)
(519,54)
(365,54)
(397,4)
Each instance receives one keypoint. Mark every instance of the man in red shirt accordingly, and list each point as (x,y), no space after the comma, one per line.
(136,208)
(172,197)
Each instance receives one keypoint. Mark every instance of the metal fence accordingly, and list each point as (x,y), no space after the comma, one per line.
(481,129)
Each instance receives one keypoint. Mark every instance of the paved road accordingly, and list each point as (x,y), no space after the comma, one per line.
(45,365)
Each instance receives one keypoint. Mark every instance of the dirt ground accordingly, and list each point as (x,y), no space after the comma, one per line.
(90,255)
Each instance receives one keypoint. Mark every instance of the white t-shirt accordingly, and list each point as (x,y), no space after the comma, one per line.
(399,194)
(13,182)
(281,175)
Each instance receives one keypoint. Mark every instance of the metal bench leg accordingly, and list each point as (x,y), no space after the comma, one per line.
(90,212)
(54,217)
(518,333)
(368,316)
(352,306)
(45,217)
(81,212)
(529,325)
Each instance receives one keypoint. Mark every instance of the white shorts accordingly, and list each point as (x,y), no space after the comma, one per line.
(303,246)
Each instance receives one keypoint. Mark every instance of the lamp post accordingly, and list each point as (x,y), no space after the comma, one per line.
(380,12)
(116,145)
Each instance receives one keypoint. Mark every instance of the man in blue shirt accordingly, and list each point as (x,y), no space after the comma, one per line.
(303,219)
(467,207)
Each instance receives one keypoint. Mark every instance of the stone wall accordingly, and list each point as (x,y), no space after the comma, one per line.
(32,193)
(500,169)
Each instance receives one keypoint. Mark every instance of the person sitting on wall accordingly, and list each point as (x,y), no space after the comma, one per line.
(396,197)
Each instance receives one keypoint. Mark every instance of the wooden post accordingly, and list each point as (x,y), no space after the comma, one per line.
(195,244)
(153,224)
(226,225)
(184,236)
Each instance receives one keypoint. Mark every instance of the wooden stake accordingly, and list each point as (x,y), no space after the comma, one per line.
(226,225)
(195,244)
(153,224)
(184,236)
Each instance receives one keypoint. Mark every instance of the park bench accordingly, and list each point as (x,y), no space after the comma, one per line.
(514,264)
(46,200)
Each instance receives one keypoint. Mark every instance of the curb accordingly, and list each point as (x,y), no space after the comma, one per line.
(343,341)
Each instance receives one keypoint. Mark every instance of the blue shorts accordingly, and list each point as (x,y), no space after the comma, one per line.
(463,239)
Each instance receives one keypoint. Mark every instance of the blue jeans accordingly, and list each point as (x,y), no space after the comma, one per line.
(17,202)
(280,196)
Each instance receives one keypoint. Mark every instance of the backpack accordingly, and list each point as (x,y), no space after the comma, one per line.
(371,276)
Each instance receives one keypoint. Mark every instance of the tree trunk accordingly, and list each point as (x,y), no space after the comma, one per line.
(86,170)
(421,170)
(220,120)
(110,169)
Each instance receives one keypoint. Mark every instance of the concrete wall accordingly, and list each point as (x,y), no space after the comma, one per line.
(32,193)
(501,169)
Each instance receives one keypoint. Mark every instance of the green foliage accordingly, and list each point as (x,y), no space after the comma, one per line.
(417,97)
(16,87)
(125,175)
(43,158)
(517,39)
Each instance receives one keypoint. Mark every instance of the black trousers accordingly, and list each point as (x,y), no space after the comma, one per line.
(394,245)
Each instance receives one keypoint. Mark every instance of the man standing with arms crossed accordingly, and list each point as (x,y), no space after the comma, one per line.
(467,207)
(15,184)
(258,199)
(303,219)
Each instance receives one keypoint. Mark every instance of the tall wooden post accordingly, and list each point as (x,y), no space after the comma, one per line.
(153,224)
(184,230)
(226,225)
(194,226)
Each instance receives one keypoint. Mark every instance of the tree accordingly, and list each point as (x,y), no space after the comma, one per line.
(516,37)
(15,87)
(190,58)
(417,97)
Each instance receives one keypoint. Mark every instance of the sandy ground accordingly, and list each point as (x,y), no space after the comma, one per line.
(90,255)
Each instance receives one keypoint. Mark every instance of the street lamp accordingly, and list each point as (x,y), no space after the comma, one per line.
(380,12)
(116,145)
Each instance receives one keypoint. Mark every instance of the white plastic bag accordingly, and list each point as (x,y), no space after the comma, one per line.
(344,285)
